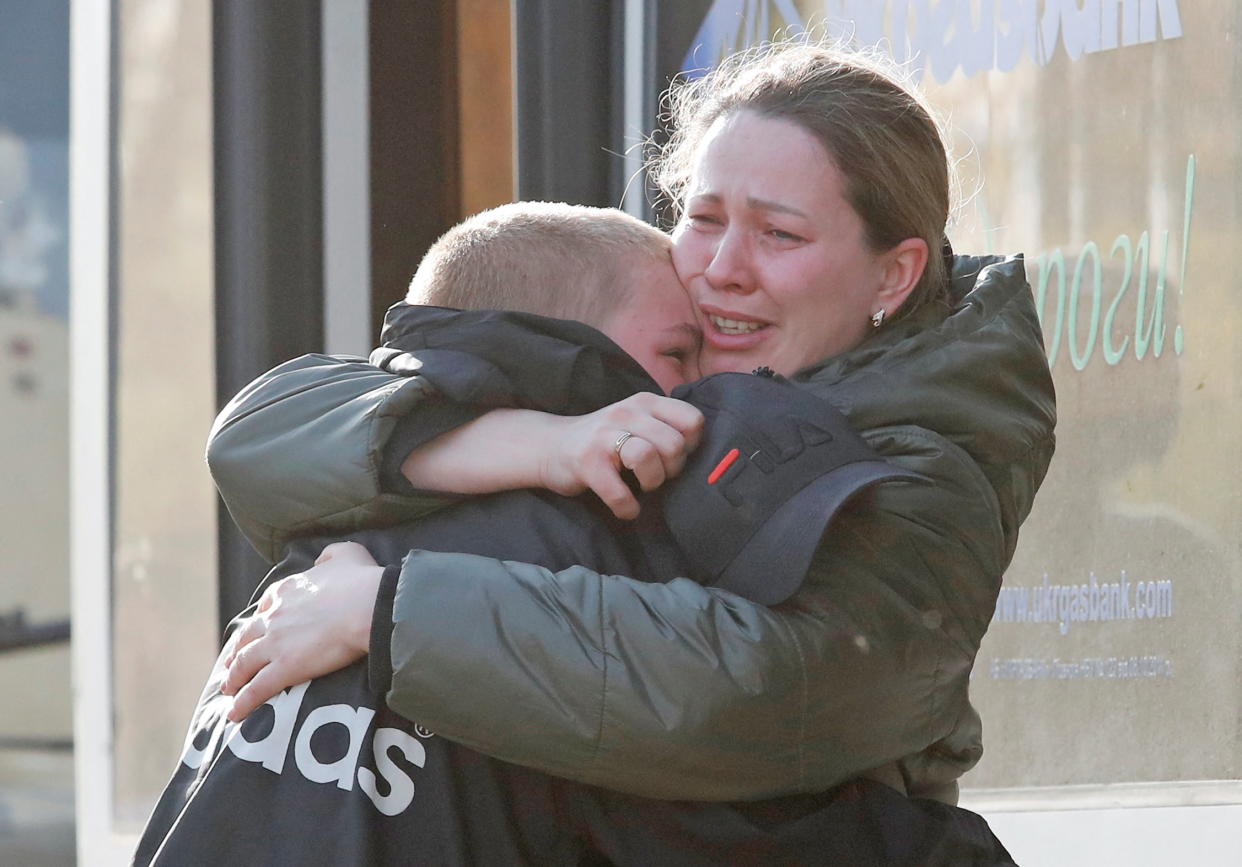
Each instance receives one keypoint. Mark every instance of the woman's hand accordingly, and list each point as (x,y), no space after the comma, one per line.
(509,449)
(305,626)
(581,452)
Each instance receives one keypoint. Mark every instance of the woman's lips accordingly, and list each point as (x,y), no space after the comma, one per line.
(734,326)
(732,332)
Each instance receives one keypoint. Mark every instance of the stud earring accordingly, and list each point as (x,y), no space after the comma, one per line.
(877,318)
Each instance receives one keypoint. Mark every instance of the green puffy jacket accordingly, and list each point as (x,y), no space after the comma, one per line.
(677,690)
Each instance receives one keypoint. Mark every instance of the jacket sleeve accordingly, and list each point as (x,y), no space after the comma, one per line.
(301,449)
(678,691)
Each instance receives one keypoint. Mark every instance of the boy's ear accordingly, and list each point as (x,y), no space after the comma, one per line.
(903,266)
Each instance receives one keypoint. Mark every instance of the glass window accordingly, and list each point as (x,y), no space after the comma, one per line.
(164,531)
(36,727)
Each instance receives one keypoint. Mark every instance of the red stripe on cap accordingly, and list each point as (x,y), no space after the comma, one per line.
(725,463)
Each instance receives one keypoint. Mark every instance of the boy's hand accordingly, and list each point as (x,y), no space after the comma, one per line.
(589,452)
(305,626)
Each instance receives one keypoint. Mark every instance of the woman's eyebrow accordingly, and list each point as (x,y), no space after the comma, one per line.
(705,198)
(769,205)
(753,203)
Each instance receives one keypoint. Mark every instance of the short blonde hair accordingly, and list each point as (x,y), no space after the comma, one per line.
(549,258)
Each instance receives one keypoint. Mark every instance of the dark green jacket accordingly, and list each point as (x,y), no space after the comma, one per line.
(676,690)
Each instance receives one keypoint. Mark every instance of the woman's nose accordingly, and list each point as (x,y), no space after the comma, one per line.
(731,268)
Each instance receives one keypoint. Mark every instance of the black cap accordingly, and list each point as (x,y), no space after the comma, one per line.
(775,465)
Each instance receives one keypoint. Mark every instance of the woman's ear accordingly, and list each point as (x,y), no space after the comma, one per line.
(903,266)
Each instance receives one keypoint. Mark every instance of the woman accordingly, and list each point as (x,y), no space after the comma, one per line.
(813,197)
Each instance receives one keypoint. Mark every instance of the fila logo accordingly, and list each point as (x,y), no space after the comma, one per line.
(765,450)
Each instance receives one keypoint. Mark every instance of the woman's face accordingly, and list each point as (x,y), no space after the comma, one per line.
(774,258)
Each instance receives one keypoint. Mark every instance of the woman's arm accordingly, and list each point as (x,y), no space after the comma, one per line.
(315,445)
(304,449)
(508,449)
(680,691)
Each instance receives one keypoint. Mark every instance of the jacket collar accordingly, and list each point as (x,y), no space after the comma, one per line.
(973,371)
(504,358)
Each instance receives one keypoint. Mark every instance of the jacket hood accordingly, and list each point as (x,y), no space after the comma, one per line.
(484,358)
(973,371)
